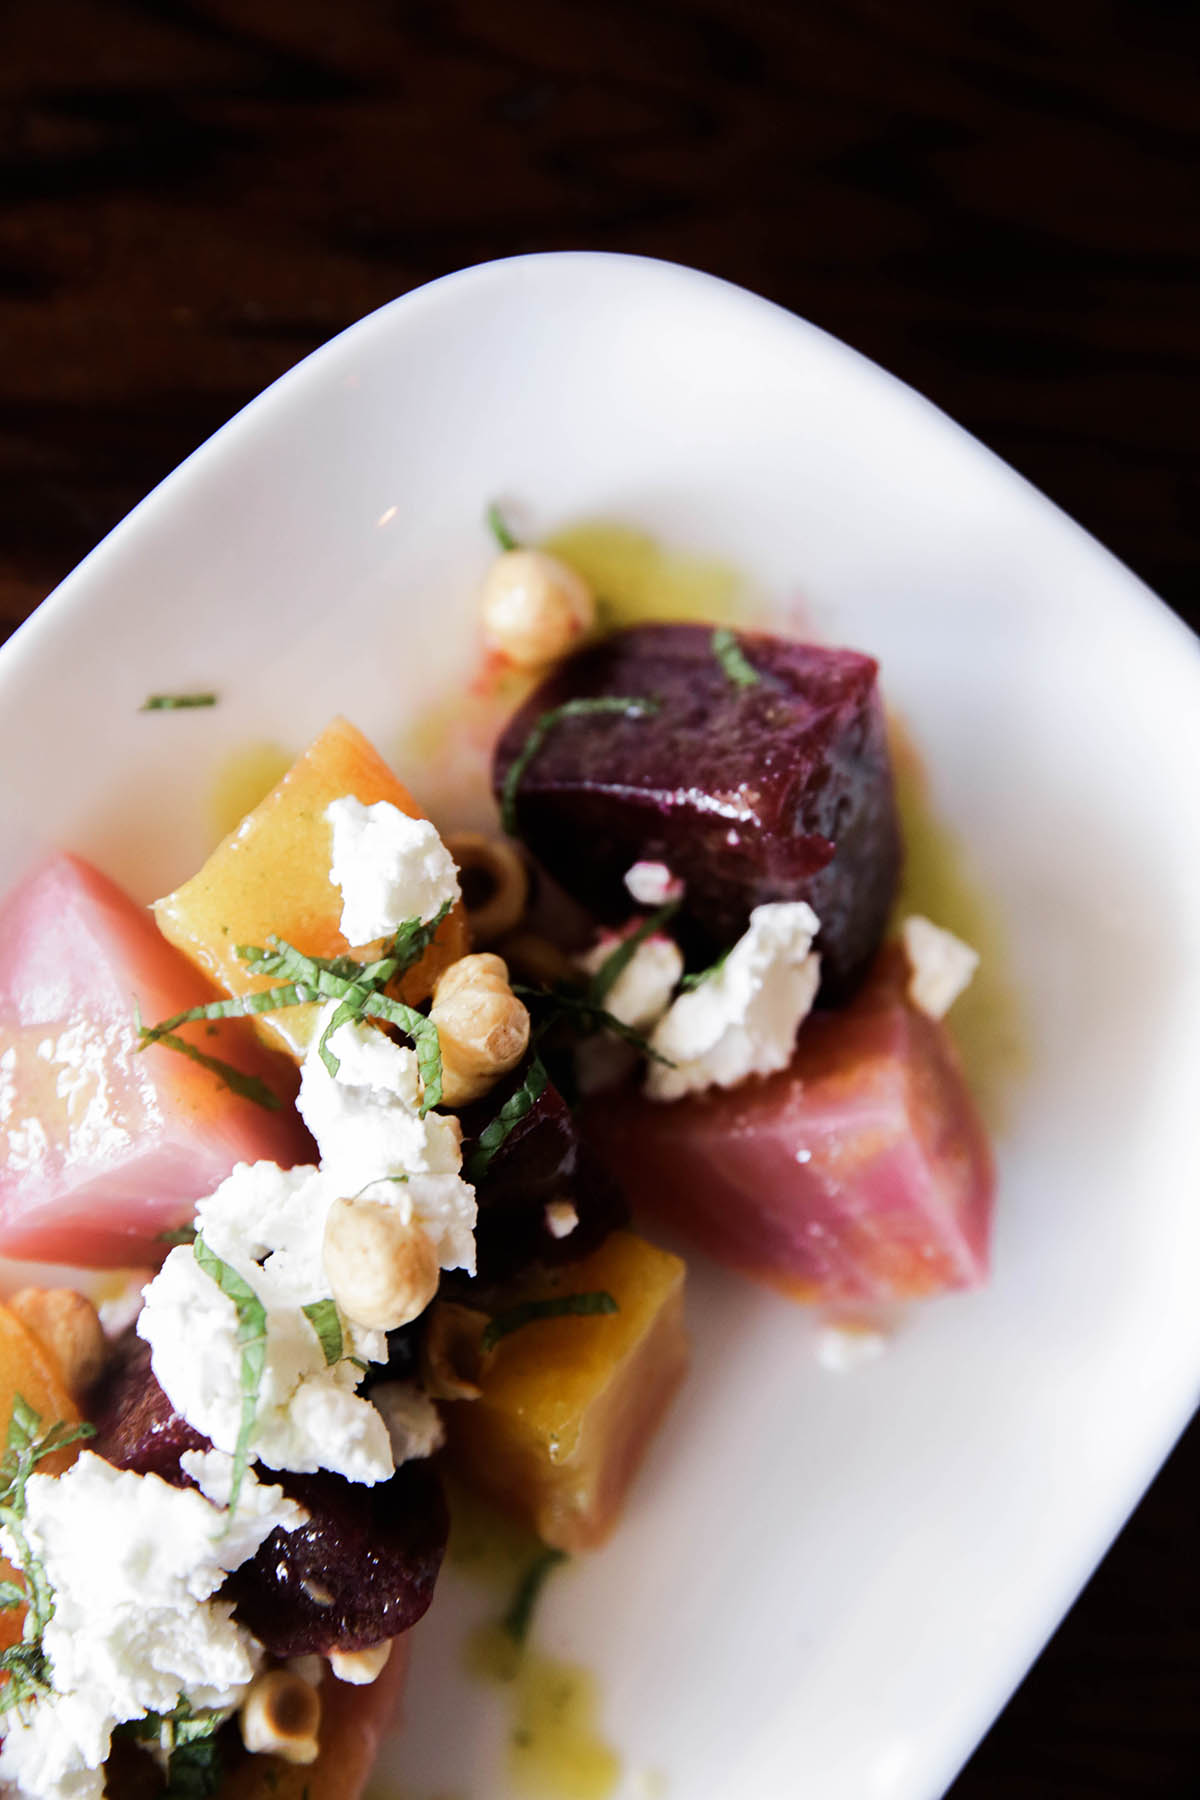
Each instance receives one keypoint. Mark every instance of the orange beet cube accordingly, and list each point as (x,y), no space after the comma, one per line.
(569,1405)
(271,876)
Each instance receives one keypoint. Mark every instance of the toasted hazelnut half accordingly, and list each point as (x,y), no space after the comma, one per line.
(495,883)
(281,1716)
(483,1029)
(382,1266)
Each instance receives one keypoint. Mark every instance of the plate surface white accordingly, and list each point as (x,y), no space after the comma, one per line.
(826,1585)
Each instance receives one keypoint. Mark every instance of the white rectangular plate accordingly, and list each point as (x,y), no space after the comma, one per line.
(826,1585)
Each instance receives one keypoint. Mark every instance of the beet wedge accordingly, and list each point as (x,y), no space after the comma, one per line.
(774,787)
(861,1173)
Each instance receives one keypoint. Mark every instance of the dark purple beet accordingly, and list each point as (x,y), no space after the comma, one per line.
(777,791)
(543,1158)
(362,1569)
(375,1551)
(136,1425)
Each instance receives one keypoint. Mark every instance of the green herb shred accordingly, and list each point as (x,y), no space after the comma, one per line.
(613,704)
(588,1016)
(554,1306)
(730,655)
(614,966)
(325,1320)
(702,975)
(176,702)
(252,1341)
(519,1617)
(511,1113)
(499,529)
(25,1663)
(250,1087)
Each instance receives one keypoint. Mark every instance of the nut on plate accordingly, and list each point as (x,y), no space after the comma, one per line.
(483,1029)
(281,1716)
(382,1266)
(68,1326)
(535,608)
(361,1667)
(494,880)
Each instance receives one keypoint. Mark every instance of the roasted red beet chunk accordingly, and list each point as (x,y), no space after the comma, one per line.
(361,1570)
(542,1159)
(776,790)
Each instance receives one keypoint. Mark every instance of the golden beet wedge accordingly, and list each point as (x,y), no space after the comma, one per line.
(271,877)
(569,1405)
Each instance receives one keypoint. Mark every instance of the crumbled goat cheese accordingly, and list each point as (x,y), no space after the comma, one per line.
(941,965)
(642,991)
(369,1131)
(652,883)
(389,867)
(268,1224)
(135,1627)
(743,1019)
(121,1309)
(413,1421)
(561,1218)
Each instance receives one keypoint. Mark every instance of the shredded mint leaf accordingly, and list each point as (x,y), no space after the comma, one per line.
(499,529)
(511,1113)
(252,1340)
(250,1087)
(613,704)
(590,1017)
(555,1306)
(702,975)
(731,657)
(519,1617)
(176,702)
(323,1316)
(358,988)
(614,966)
(183,1234)
(26,1663)
(12,1595)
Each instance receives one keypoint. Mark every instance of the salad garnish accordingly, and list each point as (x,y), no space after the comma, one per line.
(688,982)
(732,658)
(26,1663)
(554,1306)
(511,1113)
(358,987)
(175,702)
(252,1340)
(614,966)
(250,1087)
(519,1616)
(588,1017)
(619,704)
(499,529)
(326,1321)
(189,1742)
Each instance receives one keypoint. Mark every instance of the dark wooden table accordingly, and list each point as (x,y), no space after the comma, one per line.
(997,201)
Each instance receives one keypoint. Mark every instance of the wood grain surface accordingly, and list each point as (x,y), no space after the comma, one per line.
(998,202)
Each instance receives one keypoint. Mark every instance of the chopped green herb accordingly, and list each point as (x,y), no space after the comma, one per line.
(252,1341)
(323,1316)
(612,704)
(499,529)
(183,1234)
(555,1306)
(519,1617)
(176,702)
(614,966)
(26,1663)
(250,1087)
(358,987)
(591,1018)
(731,657)
(511,1113)
(702,975)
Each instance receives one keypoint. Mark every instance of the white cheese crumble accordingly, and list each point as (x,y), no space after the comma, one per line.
(133,1564)
(561,1218)
(413,1421)
(742,1020)
(642,991)
(389,867)
(268,1224)
(369,1131)
(941,965)
(652,883)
